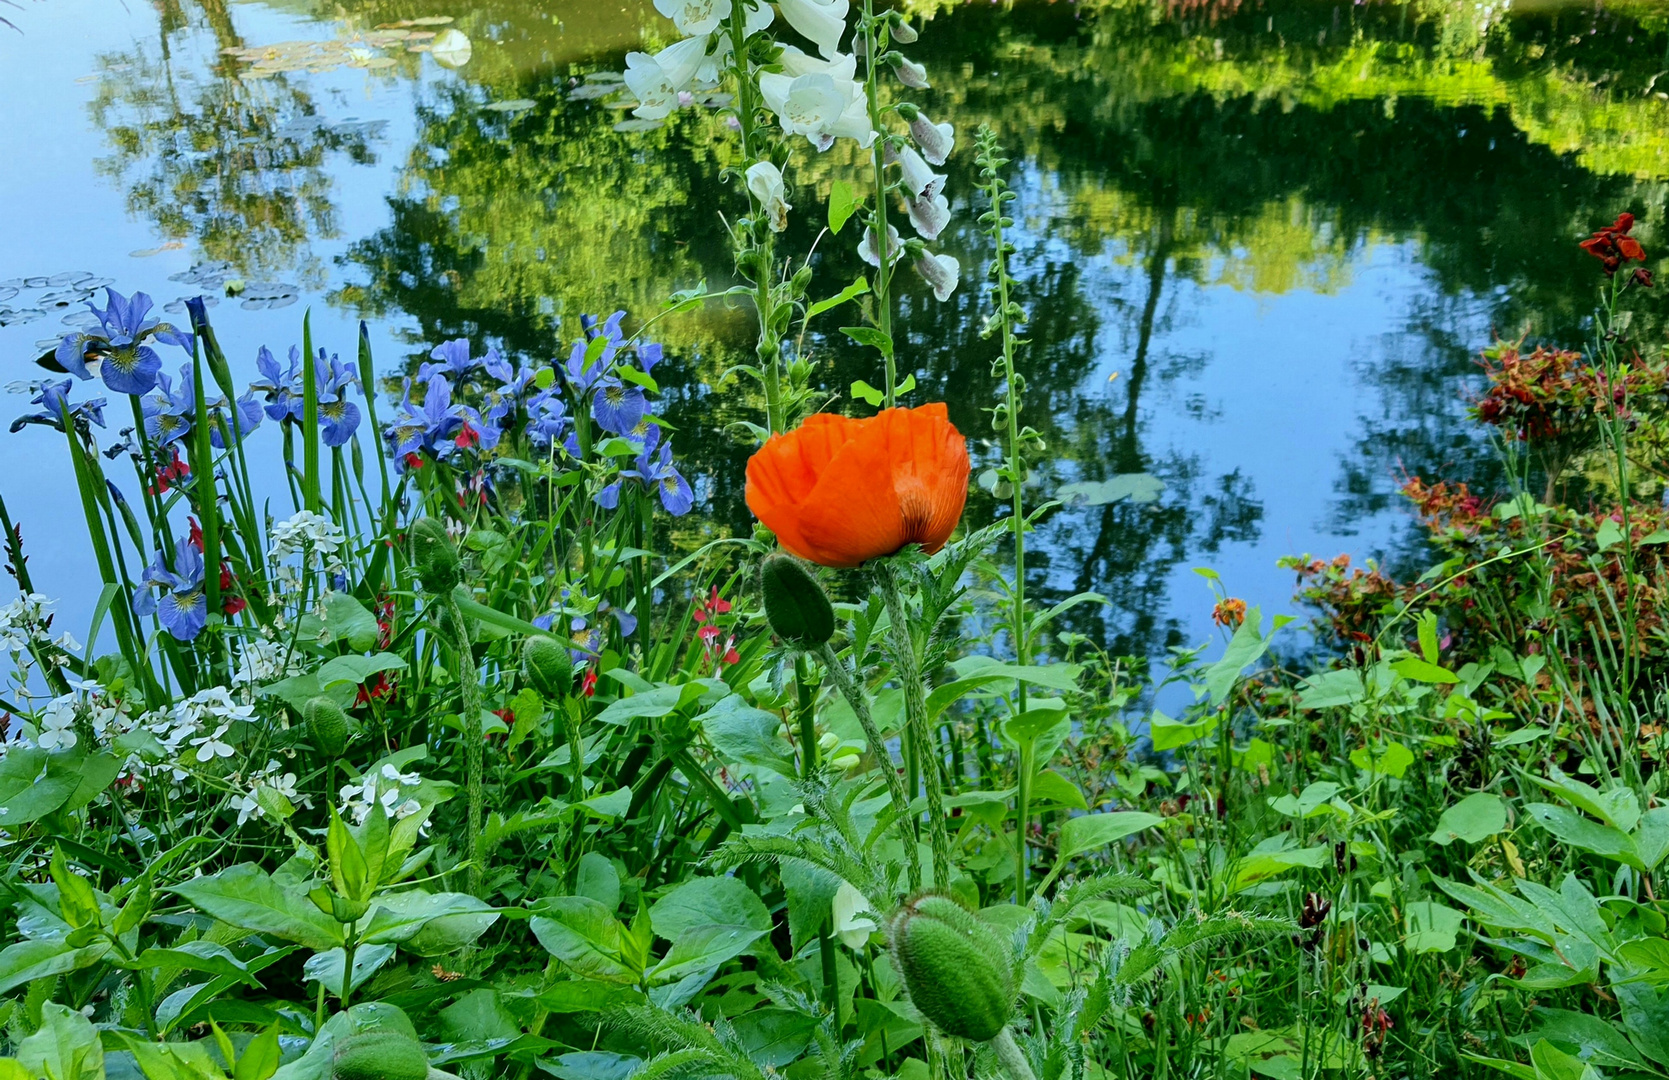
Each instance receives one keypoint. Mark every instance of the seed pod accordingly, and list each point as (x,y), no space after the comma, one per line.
(958,971)
(379,1055)
(548,668)
(435,557)
(795,605)
(327,725)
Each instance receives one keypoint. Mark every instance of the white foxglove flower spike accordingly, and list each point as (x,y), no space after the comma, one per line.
(765,181)
(694,17)
(656,80)
(821,21)
(818,106)
(929,216)
(936,140)
(920,181)
(940,271)
(867,248)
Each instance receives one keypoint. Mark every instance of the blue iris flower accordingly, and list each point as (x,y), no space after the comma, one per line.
(174,594)
(655,471)
(547,418)
(282,389)
(513,384)
(338,417)
(246,417)
(53,400)
(580,629)
(617,406)
(170,413)
(126,364)
(430,426)
(455,361)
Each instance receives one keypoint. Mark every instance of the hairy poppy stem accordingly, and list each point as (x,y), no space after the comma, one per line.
(1012,1057)
(907,663)
(469,693)
(849,689)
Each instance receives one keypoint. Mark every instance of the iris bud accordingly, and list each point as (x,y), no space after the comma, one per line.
(959,972)
(327,725)
(795,605)
(435,557)
(548,668)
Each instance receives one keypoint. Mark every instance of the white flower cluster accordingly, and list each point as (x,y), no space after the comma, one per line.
(388,787)
(198,728)
(26,621)
(316,538)
(272,776)
(87,708)
(262,661)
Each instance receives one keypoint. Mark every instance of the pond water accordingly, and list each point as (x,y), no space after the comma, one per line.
(1260,243)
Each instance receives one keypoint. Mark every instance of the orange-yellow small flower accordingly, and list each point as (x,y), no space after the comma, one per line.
(839,491)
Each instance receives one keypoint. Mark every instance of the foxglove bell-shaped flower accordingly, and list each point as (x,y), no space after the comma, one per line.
(935,140)
(765,182)
(920,181)
(901,31)
(174,594)
(823,22)
(942,272)
(759,17)
(929,216)
(818,106)
(908,72)
(694,16)
(657,79)
(795,61)
(867,248)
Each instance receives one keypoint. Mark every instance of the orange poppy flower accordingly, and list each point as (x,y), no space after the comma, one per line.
(840,491)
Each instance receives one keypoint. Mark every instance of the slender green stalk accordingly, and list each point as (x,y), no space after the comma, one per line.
(469,692)
(853,693)
(878,213)
(1012,1057)
(907,663)
(807,716)
(309,418)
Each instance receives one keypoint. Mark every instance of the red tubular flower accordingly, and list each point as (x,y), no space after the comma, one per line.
(840,492)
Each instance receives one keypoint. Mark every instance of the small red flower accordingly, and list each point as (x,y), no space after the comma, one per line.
(1642,277)
(467,437)
(588,682)
(169,474)
(1613,245)
(414,461)
(194,537)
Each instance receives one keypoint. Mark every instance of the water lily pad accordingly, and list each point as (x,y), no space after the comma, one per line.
(515,105)
(451,48)
(13,316)
(592,91)
(639,125)
(605,77)
(7,292)
(81,320)
(1136,487)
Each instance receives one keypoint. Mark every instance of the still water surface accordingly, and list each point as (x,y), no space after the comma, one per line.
(1261,243)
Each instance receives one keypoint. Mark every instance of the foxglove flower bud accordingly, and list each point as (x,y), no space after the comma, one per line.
(795,604)
(435,557)
(868,249)
(958,971)
(327,726)
(901,31)
(548,668)
(919,180)
(765,182)
(929,216)
(936,140)
(909,72)
(942,272)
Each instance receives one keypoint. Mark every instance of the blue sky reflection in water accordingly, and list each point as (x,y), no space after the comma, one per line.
(1261,243)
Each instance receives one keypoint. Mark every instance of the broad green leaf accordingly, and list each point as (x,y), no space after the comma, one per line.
(246,897)
(583,935)
(1245,649)
(401,917)
(1316,798)
(1050,786)
(1391,760)
(1431,927)
(1579,832)
(708,901)
(745,735)
(1332,689)
(1475,818)
(66,1047)
(859,286)
(205,956)
(25,961)
(1091,831)
(1418,670)
(843,203)
(260,1057)
(868,335)
(598,879)
(864,392)
(326,967)
(25,794)
(1168,734)
(702,948)
(346,619)
(651,704)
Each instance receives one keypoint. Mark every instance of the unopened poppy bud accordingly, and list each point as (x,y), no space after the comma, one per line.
(548,668)
(795,605)
(379,1055)
(327,725)
(435,557)
(958,971)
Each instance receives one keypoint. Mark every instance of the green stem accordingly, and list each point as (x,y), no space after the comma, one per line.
(907,663)
(878,217)
(759,242)
(1013,1059)
(469,690)
(849,689)
(808,768)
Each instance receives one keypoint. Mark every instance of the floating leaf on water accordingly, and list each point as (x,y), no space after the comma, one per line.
(7,292)
(451,48)
(12,283)
(592,91)
(57,281)
(81,320)
(516,105)
(426,20)
(1137,487)
(88,284)
(12,316)
(605,77)
(60,299)
(283,301)
(38,282)
(639,125)
(718,101)
(375,63)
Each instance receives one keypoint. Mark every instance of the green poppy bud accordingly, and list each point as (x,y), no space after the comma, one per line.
(327,726)
(381,1054)
(959,972)
(548,668)
(435,557)
(795,605)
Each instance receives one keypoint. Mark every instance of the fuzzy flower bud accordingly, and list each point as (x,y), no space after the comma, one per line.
(435,557)
(901,31)
(958,971)
(795,604)
(327,726)
(548,668)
